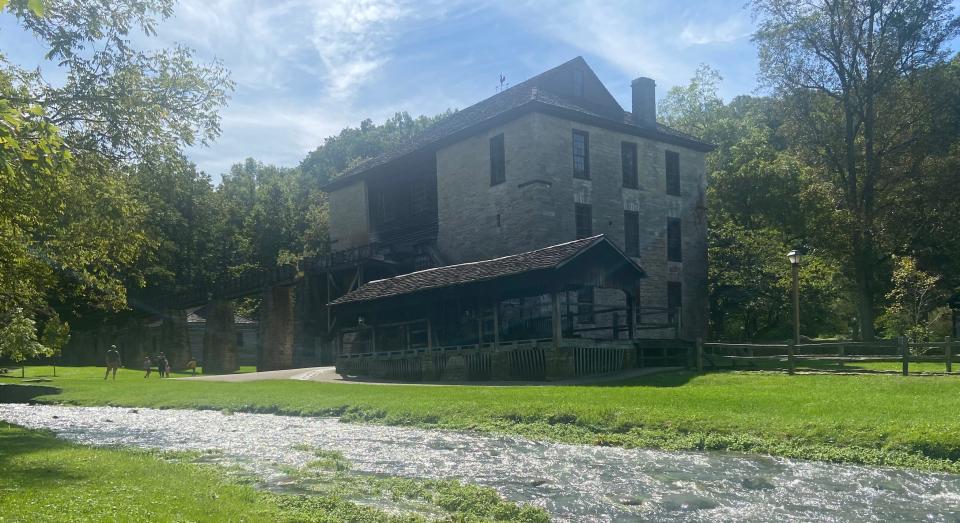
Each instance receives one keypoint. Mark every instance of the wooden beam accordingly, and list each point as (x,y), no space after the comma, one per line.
(496,323)
(429,334)
(557,327)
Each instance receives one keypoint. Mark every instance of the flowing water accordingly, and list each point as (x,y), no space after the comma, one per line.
(573,483)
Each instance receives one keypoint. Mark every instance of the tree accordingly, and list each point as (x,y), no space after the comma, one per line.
(71,217)
(18,339)
(758,210)
(119,101)
(841,62)
(914,296)
(355,144)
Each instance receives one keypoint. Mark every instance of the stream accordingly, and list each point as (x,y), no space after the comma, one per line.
(572,482)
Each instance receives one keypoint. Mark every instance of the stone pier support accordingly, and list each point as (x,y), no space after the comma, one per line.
(132,343)
(560,363)
(175,338)
(276,329)
(500,366)
(220,339)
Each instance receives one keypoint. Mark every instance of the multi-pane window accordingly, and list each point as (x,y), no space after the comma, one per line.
(581,155)
(577,82)
(498,165)
(628,163)
(674,240)
(673,172)
(631,233)
(585,305)
(584,217)
(674,299)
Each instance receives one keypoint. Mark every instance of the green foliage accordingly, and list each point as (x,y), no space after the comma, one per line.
(18,338)
(847,70)
(355,144)
(56,334)
(117,100)
(79,221)
(760,202)
(912,299)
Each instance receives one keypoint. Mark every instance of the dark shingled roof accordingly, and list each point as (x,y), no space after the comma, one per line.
(464,273)
(522,95)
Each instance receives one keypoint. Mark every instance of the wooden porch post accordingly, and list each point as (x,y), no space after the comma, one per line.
(496,323)
(557,327)
(479,324)
(429,334)
(631,315)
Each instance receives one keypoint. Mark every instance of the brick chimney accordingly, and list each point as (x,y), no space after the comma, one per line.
(644,102)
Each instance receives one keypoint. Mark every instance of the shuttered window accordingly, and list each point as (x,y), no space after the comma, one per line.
(584,218)
(674,240)
(628,163)
(498,164)
(672,160)
(631,233)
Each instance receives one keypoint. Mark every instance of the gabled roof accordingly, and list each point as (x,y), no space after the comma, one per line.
(528,95)
(553,257)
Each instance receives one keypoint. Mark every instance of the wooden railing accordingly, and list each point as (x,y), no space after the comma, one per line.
(523,359)
(789,355)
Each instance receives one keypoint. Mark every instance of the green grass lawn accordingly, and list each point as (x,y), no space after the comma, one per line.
(872,419)
(47,479)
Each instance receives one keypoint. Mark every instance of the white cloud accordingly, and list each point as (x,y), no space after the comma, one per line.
(733,28)
(353,39)
(307,68)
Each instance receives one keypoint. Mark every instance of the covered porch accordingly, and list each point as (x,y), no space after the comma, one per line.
(516,317)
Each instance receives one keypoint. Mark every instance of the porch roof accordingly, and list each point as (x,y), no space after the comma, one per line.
(553,257)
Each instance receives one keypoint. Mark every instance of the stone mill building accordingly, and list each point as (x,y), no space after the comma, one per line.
(547,162)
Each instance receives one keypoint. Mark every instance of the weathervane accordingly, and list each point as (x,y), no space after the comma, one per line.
(503,83)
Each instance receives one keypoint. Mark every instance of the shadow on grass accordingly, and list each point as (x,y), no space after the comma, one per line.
(668,378)
(17,442)
(16,393)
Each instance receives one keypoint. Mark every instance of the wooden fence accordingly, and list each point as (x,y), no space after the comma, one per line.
(791,355)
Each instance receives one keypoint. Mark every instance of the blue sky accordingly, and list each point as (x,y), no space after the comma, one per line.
(305,69)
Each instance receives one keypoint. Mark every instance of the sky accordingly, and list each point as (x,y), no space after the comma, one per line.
(304,69)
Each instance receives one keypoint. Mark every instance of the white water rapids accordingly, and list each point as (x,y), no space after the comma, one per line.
(573,483)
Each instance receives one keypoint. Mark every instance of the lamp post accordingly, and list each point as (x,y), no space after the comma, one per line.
(794,257)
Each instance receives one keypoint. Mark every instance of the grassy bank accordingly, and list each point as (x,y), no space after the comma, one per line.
(46,479)
(870,419)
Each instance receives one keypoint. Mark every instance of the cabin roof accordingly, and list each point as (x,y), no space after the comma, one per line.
(552,257)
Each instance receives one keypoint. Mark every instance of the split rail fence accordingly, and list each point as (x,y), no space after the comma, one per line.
(816,354)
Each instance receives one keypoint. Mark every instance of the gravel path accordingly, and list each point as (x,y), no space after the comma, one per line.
(329,375)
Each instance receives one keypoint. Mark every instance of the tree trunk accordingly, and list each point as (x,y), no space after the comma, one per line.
(864,274)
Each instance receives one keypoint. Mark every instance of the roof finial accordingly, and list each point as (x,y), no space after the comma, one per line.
(503,83)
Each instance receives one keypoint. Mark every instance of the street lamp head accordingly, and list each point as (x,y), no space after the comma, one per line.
(794,257)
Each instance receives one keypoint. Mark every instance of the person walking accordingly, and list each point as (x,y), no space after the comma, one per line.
(161,364)
(113,362)
(147,366)
(192,365)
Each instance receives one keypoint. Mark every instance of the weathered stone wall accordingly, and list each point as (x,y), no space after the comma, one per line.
(220,339)
(536,204)
(349,220)
(527,202)
(174,339)
(276,329)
